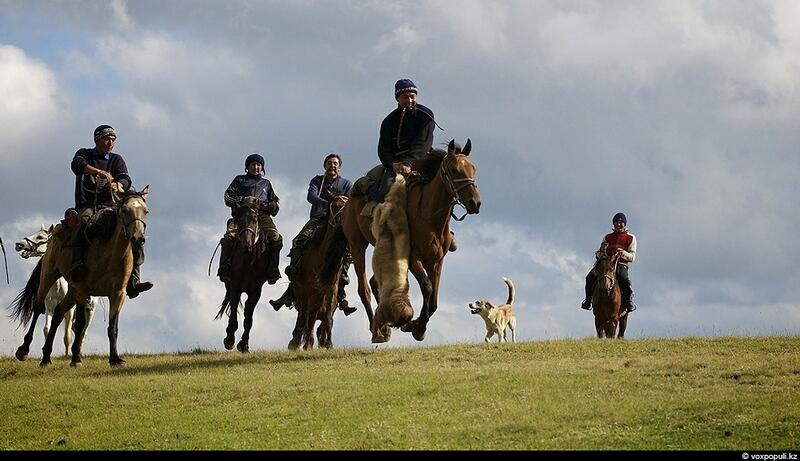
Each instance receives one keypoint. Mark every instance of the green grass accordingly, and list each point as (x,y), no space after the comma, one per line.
(653,394)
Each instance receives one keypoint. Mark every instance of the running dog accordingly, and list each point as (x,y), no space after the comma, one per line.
(497,318)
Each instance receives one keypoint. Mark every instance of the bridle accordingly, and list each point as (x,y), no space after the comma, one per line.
(120,216)
(454,186)
(34,247)
(611,278)
(244,209)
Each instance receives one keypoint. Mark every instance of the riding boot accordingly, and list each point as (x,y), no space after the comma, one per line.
(589,288)
(286,299)
(342,295)
(453,246)
(295,258)
(135,285)
(273,261)
(224,271)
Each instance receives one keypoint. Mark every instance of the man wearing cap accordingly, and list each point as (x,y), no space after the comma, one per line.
(323,190)
(623,242)
(98,172)
(253,184)
(406,133)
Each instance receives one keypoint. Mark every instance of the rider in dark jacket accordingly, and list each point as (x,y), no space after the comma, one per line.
(253,184)
(98,171)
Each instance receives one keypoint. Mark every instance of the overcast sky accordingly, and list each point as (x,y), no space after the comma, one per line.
(683,115)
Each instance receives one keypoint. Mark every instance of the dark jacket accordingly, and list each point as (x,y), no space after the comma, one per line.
(406,134)
(319,202)
(87,192)
(247,185)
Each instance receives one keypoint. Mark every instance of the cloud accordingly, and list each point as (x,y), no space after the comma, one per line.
(32,97)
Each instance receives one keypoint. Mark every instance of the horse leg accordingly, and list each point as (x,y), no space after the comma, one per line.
(424,286)
(81,322)
(117,300)
(249,307)
(598,324)
(58,315)
(68,335)
(373,285)
(233,322)
(623,324)
(299,325)
(22,351)
(88,312)
(421,324)
(308,330)
(361,272)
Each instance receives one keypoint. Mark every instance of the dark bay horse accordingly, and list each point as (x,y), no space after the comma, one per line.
(607,298)
(430,205)
(109,261)
(249,262)
(316,283)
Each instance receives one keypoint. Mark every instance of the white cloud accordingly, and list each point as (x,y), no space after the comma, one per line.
(31,95)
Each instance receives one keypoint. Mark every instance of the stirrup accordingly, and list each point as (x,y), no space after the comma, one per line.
(586,305)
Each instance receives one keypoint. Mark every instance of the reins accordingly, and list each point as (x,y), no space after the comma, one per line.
(452,184)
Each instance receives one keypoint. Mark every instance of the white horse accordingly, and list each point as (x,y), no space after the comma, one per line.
(34,246)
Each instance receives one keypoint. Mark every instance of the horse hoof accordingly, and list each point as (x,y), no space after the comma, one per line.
(228,343)
(75,364)
(44,362)
(117,363)
(293,346)
(244,348)
(21,354)
(418,332)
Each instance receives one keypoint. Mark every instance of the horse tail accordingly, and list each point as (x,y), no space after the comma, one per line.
(23,305)
(511,290)
(333,256)
(224,308)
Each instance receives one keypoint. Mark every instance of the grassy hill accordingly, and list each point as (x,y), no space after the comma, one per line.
(689,393)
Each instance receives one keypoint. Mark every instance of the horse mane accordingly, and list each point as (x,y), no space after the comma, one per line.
(429,165)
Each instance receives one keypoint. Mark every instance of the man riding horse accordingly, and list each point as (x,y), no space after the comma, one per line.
(253,184)
(98,173)
(406,134)
(322,191)
(619,241)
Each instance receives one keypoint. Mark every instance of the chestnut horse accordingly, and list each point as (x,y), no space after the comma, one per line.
(249,262)
(607,298)
(109,261)
(316,283)
(451,178)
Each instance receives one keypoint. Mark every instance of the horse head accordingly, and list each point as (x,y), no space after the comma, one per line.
(245,215)
(132,213)
(459,175)
(606,269)
(34,245)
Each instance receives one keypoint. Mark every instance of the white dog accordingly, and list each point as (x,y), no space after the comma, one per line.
(497,318)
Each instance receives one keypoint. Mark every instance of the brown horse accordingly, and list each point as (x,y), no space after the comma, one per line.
(451,178)
(109,262)
(607,298)
(249,262)
(316,283)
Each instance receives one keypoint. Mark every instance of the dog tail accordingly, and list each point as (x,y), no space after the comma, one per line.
(510,290)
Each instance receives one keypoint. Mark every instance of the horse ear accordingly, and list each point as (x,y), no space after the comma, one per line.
(43,228)
(451,147)
(50,231)
(467,147)
(145,191)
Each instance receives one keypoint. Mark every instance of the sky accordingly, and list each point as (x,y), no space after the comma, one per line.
(683,115)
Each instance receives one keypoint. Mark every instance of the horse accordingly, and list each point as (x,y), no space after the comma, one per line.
(430,205)
(316,283)
(34,246)
(607,298)
(249,261)
(109,262)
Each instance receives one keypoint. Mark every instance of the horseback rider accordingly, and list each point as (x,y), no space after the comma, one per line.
(253,184)
(406,134)
(623,242)
(98,173)
(322,191)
